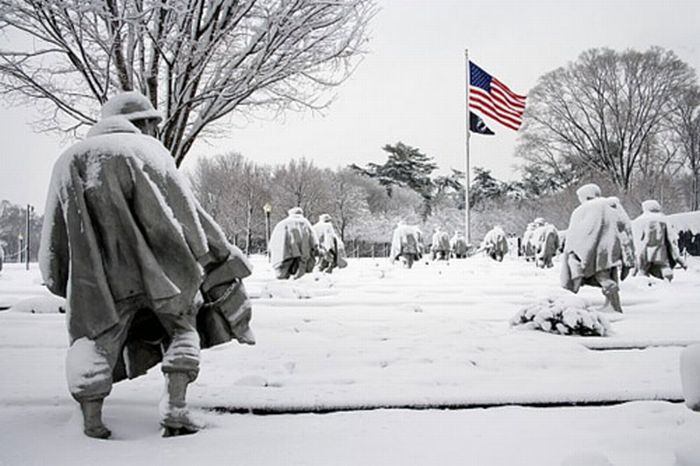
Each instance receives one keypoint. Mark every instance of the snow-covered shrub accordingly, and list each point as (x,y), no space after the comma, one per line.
(566,315)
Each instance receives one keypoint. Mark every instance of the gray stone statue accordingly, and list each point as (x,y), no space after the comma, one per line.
(593,254)
(126,243)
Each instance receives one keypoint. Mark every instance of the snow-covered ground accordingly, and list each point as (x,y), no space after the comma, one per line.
(375,335)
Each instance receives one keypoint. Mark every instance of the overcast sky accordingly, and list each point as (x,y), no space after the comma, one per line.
(410,86)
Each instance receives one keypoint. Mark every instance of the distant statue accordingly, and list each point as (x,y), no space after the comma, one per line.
(657,243)
(528,242)
(406,244)
(293,246)
(458,244)
(593,254)
(440,245)
(546,240)
(129,247)
(624,231)
(496,243)
(331,247)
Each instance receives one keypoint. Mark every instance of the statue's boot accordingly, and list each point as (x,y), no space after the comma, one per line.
(175,417)
(615,301)
(92,419)
(612,300)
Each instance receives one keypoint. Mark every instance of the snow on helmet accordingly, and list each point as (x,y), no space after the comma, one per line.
(131,105)
(588,192)
(651,205)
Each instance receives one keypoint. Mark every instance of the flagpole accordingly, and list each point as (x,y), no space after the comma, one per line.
(466,160)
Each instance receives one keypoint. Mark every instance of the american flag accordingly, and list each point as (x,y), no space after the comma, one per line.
(494,99)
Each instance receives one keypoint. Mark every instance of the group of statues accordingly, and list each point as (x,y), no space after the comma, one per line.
(297,247)
(149,277)
(540,243)
(603,246)
(407,245)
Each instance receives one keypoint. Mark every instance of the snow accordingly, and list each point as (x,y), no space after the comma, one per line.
(381,347)
(690,376)
(686,221)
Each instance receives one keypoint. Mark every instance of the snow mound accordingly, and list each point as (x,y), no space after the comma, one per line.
(40,305)
(564,315)
(690,376)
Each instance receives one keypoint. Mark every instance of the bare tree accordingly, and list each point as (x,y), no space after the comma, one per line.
(348,199)
(233,190)
(687,130)
(198,60)
(604,112)
(300,183)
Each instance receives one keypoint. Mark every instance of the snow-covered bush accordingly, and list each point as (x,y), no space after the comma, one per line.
(566,315)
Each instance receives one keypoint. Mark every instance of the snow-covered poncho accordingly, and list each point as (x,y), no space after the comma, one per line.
(293,237)
(329,241)
(592,242)
(529,246)
(546,237)
(495,240)
(440,241)
(656,241)
(458,245)
(406,240)
(624,231)
(120,221)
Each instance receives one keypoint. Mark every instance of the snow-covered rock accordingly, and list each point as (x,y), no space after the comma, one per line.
(564,315)
(690,376)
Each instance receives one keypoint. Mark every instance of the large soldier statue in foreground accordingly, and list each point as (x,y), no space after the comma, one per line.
(593,254)
(128,246)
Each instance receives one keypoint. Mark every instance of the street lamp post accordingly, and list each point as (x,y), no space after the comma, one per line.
(268,209)
(30,209)
(20,247)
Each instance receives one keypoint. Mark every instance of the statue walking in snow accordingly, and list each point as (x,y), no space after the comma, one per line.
(624,231)
(657,243)
(293,246)
(528,243)
(125,241)
(459,245)
(495,243)
(331,248)
(593,254)
(546,240)
(440,245)
(406,244)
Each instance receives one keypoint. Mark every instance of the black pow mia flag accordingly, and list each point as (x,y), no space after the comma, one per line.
(477,125)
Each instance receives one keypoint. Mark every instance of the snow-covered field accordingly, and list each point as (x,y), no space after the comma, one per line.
(411,343)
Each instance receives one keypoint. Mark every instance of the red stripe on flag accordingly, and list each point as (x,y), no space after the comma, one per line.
(490,115)
(478,103)
(507,89)
(484,98)
(499,102)
(515,107)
